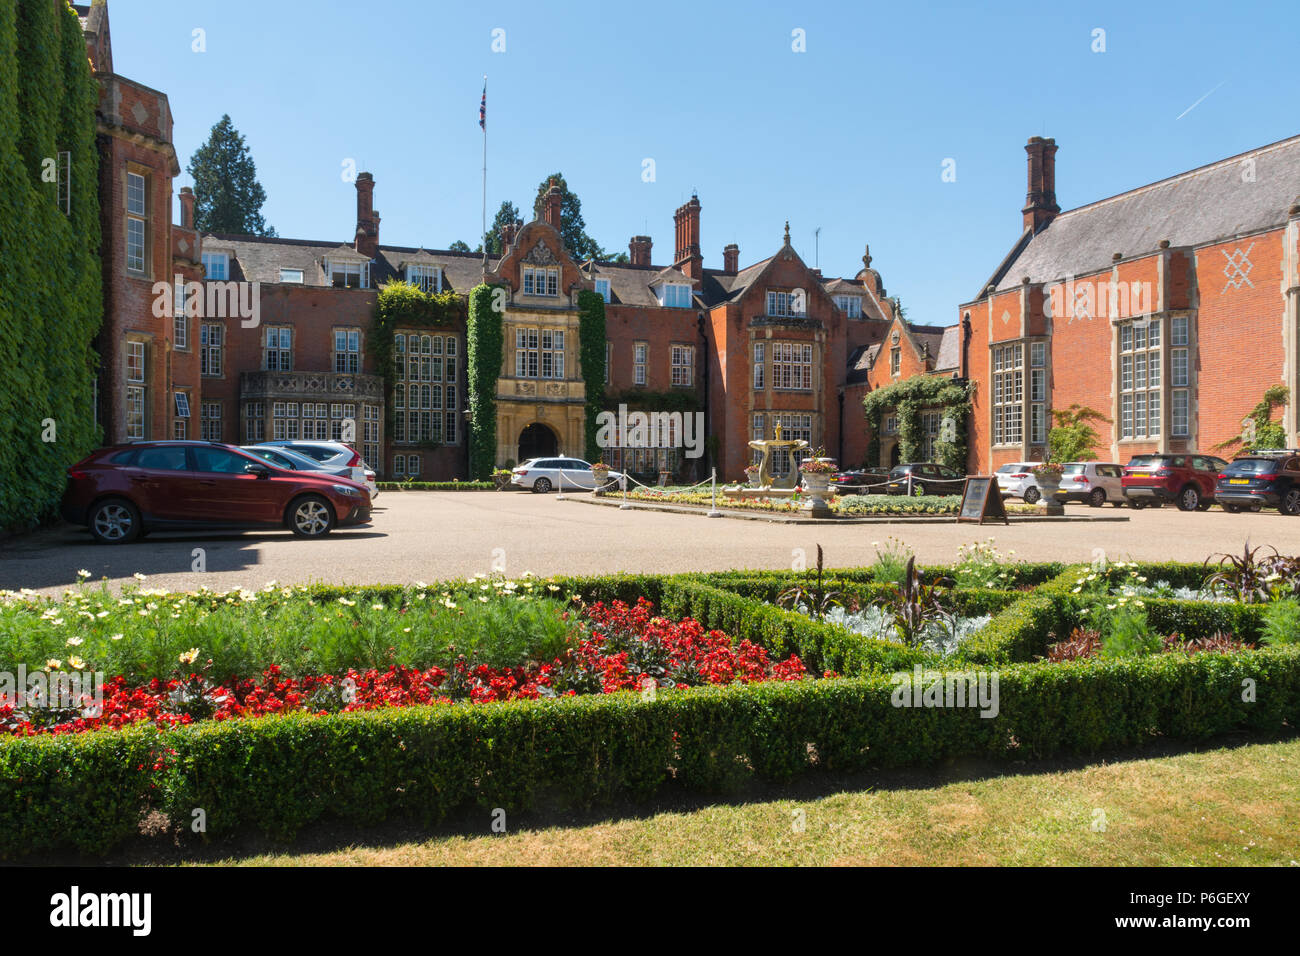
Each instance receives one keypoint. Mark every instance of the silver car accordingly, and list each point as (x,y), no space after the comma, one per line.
(332,455)
(1095,482)
(563,474)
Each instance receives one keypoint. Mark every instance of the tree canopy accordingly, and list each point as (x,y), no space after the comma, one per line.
(572,227)
(227,196)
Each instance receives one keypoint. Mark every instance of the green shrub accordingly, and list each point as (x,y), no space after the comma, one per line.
(1126,632)
(1281,624)
(436,486)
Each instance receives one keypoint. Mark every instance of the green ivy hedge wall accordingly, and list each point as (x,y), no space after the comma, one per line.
(909,398)
(483,340)
(52,302)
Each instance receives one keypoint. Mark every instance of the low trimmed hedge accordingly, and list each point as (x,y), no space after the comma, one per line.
(279,774)
(436,486)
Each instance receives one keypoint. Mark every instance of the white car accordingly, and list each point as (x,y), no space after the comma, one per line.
(333,455)
(1095,482)
(561,474)
(1016,480)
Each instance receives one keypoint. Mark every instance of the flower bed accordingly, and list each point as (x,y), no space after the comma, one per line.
(845,505)
(426,738)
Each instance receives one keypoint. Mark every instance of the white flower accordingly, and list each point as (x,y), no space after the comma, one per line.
(74,642)
(76,663)
(83,574)
(421,585)
(189,656)
(54,663)
(139,577)
(115,637)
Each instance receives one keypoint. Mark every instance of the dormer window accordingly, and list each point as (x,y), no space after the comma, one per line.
(348,275)
(675,295)
(602,289)
(427,278)
(541,281)
(850,305)
(291,275)
(216,265)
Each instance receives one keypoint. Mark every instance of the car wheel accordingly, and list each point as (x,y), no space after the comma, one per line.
(1189,499)
(542,485)
(1032,496)
(311,517)
(1290,503)
(1137,504)
(1231,509)
(1098,498)
(114,521)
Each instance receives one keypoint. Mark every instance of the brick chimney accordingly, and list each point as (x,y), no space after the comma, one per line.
(688,257)
(731,258)
(553,206)
(1040,202)
(367,236)
(187,207)
(638,250)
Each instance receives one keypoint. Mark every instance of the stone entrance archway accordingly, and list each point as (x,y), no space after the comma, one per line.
(537,441)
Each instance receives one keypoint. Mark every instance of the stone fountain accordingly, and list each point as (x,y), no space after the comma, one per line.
(767,487)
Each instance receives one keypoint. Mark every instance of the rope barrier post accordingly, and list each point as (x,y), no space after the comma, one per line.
(560,495)
(622,480)
(909,484)
(713,505)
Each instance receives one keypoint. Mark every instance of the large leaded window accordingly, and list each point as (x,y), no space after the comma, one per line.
(1139,379)
(425,399)
(1179,376)
(792,366)
(347,351)
(1038,393)
(1008,393)
(683,364)
(541,281)
(277,352)
(539,353)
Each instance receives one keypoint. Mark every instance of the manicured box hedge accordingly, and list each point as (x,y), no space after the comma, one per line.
(436,486)
(278,774)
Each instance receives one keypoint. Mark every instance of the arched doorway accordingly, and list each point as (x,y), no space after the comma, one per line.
(894,453)
(537,441)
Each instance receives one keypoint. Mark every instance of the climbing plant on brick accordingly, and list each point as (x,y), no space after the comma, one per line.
(483,340)
(909,398)
(404,305)
(591,353)
(52,305)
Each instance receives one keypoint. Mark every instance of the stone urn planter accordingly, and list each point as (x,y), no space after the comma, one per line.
(600,473)
(751,478)
(816,486)
(1049,483)
(664,476)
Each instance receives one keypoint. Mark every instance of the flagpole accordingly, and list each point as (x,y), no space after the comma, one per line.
(484,233)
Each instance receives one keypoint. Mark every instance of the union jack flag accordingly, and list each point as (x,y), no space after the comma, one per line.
(482,108)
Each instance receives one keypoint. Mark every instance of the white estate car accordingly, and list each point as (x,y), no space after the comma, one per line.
(1016,480)
(1095,482)
(562,474)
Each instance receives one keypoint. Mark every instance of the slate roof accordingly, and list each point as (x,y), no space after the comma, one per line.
(949,356)
(859,364)
(260,259)
(1201,206)
(931,335)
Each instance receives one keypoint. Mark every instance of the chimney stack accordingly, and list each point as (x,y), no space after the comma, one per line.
(187,207)
(731,258)
(1040,202)
(553,206)
(367,236)
(688,257)
(638,250)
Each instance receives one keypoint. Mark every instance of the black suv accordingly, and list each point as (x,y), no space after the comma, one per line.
(927,479)
(1268,478)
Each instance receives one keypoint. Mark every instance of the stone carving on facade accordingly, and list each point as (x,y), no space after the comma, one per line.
(540,255)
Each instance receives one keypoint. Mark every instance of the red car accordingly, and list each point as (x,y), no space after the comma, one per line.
(1186,480)
(122,492)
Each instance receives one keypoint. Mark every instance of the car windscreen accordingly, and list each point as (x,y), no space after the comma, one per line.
(899,472)
(1008,469)
(1253,466)
(1146,461)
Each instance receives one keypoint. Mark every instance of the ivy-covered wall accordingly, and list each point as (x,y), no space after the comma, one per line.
(909,398)
(51,303)
(483,340)
(591,353)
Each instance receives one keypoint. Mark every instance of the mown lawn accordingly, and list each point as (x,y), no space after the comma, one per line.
(1229,806)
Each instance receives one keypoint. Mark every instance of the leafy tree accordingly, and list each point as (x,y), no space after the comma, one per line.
(227,196)
(459,246)
(572,227)
(1258,429)
(1072,437)
(506,215)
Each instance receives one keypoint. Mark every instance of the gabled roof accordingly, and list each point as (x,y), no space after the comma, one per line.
(1240,195)
(949,356)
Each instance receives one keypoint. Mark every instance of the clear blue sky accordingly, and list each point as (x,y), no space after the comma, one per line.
(850,135)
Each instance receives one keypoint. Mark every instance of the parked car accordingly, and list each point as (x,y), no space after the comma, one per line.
(859,482)
(1016,480)
(928,478)
(125,491)
(1186,480)
(333,455)
(543,474)
(1095,482)
(1259,479)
